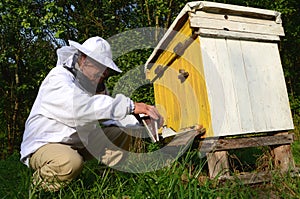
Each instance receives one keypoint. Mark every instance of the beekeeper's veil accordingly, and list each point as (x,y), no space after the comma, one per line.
(95,47)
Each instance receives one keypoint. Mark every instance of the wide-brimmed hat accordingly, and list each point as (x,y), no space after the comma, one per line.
(98,49)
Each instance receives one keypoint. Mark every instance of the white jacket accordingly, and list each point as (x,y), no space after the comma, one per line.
(61,106)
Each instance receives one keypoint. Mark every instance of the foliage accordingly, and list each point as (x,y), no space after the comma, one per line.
(31,31)
(23,65)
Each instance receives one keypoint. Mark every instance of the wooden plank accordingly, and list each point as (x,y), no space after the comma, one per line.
(218,164)
(183,139)
(177,145)
(256,177)
(236,35)
(266,85)
(238,10)
(228,17)
(283,157)
(197,22)
(231,118)
(207,145)
(239,78)
(255,69)
(278,108)
(190,100)
(249,178)
(214,84)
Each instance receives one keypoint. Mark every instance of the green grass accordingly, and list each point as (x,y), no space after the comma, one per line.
(296,152)
(183,179)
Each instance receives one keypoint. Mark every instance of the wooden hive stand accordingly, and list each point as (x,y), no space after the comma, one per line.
(216,151)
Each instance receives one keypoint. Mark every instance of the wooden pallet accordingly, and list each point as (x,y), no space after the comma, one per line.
(216,151)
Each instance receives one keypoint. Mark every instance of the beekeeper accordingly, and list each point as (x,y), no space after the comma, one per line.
(62,130)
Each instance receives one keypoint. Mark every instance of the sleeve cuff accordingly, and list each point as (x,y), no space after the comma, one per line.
(132,107)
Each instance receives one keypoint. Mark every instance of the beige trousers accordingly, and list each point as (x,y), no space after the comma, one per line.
(57,164)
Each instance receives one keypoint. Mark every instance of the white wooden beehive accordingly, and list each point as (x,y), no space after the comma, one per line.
(219,65)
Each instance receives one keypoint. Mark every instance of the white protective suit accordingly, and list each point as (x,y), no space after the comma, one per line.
(61,106)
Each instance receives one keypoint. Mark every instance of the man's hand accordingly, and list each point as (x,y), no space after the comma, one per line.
(142,108)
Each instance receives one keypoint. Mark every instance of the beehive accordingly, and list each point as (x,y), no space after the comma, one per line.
(219,65)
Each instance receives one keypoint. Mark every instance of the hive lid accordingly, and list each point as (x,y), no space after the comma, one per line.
(211,19)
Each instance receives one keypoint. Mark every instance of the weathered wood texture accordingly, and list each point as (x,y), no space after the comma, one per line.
(230,21)
(246,93)
(218,164)
(237,26)
(234,35)
(217,157)
(214,144)
(182,101)
(199,14)
(177,145)
(184,139)
(236,10)
(283,157)
(249,178)
(256,177)
(224,25)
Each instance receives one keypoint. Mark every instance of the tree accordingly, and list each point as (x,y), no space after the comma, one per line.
(23,65)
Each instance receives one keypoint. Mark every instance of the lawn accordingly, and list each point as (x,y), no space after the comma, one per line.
(185,178)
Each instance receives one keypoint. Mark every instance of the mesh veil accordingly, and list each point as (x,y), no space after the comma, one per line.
(65,55)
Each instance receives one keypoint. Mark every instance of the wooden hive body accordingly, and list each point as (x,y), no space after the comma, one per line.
(219,65)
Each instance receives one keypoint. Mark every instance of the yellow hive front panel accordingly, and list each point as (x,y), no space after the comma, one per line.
(183,102)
